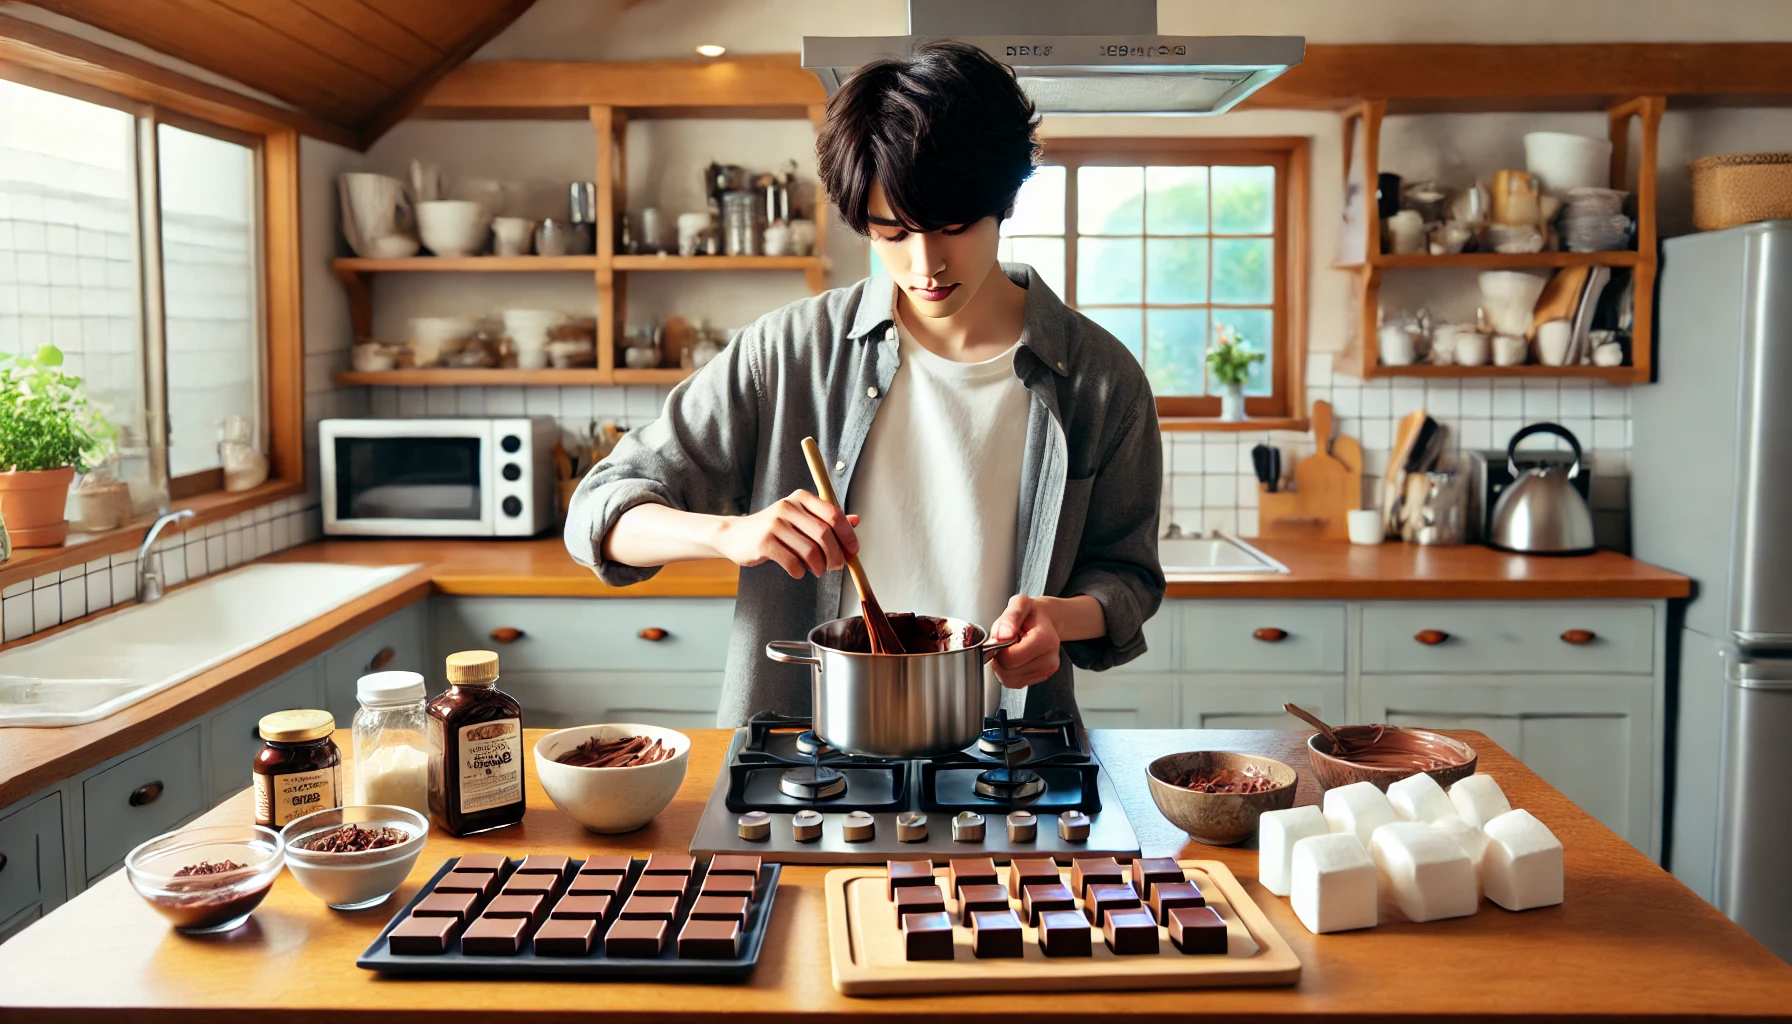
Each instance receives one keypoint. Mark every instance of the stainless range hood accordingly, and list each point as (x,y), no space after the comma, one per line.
(1079,56)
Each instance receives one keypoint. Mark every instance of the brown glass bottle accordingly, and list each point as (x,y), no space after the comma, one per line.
(475,749)
(298,769)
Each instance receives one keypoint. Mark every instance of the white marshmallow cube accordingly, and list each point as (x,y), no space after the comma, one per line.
(1420,798)
(1277,832)
(1523,865)
(1359,809)
(1427,873)
(1478,800)
(1333,886)
(1472,840)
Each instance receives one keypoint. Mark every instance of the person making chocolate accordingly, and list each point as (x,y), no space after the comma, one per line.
(997,451)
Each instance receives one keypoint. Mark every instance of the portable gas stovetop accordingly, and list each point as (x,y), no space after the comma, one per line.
(1027,787)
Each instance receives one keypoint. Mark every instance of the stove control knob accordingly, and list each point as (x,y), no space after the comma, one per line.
(1073,827)
(805,826)
(911,827)
(858,827)
(1023,827)
(754,826)
(967,827)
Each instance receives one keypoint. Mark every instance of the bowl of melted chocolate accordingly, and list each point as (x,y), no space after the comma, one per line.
(1385,754)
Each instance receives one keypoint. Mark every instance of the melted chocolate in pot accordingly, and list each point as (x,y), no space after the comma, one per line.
(920,634)
(1395,748)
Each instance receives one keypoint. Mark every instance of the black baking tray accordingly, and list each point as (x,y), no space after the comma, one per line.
(665,967)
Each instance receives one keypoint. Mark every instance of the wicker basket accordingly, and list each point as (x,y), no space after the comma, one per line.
(1740,188)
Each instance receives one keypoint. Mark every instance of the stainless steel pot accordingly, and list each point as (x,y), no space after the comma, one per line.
(894,705)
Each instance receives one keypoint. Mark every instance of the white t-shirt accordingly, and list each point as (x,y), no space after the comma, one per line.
(937,487)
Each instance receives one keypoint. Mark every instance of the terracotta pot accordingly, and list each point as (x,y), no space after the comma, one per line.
(32,503)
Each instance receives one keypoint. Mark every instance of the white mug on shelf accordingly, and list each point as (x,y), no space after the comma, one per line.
(1396,345)
(511,235)
(1552,342)
(1364,526)
(1471,347)
(1406,232)
(1509,349)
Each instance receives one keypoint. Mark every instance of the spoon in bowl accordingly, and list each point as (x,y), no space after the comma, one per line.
(1339,744)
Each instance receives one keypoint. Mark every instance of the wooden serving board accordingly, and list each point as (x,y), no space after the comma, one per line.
(1326,485)
(868,953)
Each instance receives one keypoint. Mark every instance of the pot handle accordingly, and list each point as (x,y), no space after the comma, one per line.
(779,651)
(989,651)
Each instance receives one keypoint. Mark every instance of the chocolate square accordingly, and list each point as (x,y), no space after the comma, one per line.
(904,873)
(1148,871)
(595,885)
(607,864)
(735,864)
(636,938)
(670,864)
(1130,932)
(492,862)
(1167,896)
(525,905)
(1087,871)
(995,933)
(544,864)
(520,884)
(1037,899)
(582,908)
(927,936)
(963,871)
(728,885)
(458,905)
(649,908)
(1103,898)
(663,885)
(422,936)
(566,936)
(479,883)
(975,899)
(1025,871)
(1064,933)
(1198,930)
(709,940)
(719,908)
(494,936)
(917,900)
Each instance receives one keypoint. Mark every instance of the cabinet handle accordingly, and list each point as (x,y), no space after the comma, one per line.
(506,635)
(147,794)
(381,659)
(1270,635)
(1579,636)
(653,633)
(1431,637)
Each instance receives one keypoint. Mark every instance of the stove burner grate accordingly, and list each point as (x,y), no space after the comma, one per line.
(812,782)
(1010,785)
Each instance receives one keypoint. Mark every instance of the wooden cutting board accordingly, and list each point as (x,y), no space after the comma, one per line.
(1327,484)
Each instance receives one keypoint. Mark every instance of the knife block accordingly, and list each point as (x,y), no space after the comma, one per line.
(1326,485)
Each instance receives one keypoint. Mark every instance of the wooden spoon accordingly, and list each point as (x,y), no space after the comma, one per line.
(877,624)
(1339,746)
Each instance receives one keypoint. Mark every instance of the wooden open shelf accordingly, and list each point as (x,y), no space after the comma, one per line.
(464,264)
(716,262)
(1499,260)
(586,375)
(1615,374)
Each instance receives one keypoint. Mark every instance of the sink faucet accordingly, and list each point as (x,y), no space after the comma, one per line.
(149,580)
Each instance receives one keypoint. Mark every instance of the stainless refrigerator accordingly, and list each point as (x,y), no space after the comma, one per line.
(1711,497)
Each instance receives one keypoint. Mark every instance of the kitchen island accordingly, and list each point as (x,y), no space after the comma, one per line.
(1628,942)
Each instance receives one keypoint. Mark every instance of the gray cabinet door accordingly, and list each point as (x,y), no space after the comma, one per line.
(621,634)
(397,642)
(235,738)
(1494,637)
(672,700)
(32,872)
(1591,737)
(1245,701)
(1110,700)
(1261,636)
(148,793)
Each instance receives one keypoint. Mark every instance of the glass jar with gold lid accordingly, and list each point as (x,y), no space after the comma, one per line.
(298,769)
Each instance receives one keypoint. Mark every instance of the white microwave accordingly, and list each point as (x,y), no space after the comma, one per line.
(438,477)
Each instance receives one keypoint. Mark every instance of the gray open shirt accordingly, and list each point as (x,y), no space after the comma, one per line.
(727,443)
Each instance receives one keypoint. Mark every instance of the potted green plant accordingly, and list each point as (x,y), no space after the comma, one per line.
(48,432)
(1230,364)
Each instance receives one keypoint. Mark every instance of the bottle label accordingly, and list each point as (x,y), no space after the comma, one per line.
(281,798)
(491,765)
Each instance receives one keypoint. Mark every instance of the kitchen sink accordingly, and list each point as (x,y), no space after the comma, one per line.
(1215,553)
(100,667)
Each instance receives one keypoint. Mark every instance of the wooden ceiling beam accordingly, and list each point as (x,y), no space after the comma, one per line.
(774,80)
(400,107)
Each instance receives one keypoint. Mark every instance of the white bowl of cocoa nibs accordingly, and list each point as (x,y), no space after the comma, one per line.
(354,857)
(612,778)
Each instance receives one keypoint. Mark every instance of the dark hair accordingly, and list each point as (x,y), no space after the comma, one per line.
(946,131)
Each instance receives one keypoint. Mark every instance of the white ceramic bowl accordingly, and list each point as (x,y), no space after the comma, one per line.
(609,800)
(1509,296)
(1565,161)
(352,881)
(453,227)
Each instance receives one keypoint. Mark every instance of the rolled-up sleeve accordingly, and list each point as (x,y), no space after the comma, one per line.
(1117,562)
(698,456)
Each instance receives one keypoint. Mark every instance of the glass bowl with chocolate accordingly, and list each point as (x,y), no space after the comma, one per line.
(614,777)
(1217,796)
(354,857)
(206,880)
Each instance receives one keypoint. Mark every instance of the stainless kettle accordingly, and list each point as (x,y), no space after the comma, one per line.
(1541,513)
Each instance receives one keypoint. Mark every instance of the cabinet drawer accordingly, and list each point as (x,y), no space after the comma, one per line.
(1247,701)
(1508,636)
(1262,636)
(601,633)
(1135,701)
(392,645)
(672,700)
(165,783)
(234,737)
(31,868)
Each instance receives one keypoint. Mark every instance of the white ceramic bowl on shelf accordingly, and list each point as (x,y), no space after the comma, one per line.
(609,800)
(1566,161)
(453,227)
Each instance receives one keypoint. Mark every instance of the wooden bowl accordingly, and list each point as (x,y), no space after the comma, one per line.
(1217,819)
(1333,773)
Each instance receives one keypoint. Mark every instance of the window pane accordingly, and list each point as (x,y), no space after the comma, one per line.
(1175,200)
(1126,325)
(1039,208)
(1256,327)
(1110,200)
(1175,343)
(1109,270)
(209,274)
(1176,270)
(1243,200)
(1045,255)
(68,243)
(1242,270)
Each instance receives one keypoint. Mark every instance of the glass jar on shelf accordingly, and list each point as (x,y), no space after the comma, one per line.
(391,741)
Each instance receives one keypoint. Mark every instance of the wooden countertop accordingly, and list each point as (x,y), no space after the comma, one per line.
(1629,941)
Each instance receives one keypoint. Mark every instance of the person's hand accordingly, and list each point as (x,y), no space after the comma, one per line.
(1034,657)
(802,533)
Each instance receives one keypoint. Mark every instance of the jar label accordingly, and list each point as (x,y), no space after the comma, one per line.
(491,765)
(281,798)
